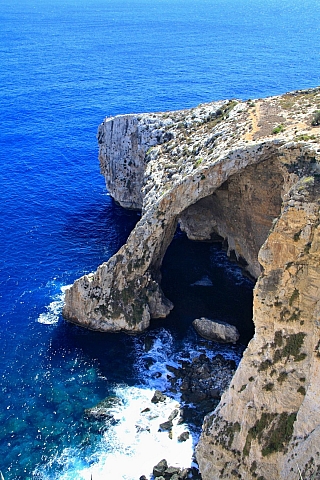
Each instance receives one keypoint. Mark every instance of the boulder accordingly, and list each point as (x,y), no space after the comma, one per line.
(102,411)
(170,472)
(183,436)
(158,397)
(216,330)
(160,468)
(166,425)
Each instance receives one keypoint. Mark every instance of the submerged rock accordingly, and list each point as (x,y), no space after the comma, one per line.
(216,330)
(103,410)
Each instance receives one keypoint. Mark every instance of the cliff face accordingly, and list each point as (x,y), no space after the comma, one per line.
(267,424)
(123,143)
(248,172)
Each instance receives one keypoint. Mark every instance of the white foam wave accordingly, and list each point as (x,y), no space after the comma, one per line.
(54,309)
(231,269)
(133,444)
(203,282)
(152,357)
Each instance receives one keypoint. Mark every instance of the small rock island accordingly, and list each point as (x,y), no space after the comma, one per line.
(247,172)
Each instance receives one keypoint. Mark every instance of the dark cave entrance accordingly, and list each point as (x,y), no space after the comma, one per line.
(197,275)
(201,281)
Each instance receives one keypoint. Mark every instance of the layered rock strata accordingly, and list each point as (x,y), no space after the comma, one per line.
(247,173)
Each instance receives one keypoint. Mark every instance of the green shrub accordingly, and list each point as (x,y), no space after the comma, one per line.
(198,162)
(278,129)
(294,296)
(304,137)
(268,387)
(282,377)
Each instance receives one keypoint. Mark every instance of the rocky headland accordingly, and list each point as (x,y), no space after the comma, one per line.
(248,173)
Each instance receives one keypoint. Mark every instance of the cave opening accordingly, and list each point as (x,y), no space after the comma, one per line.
(205,270)
(202,281)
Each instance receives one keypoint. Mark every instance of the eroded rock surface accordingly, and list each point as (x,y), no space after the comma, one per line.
(267,423)
(248,173)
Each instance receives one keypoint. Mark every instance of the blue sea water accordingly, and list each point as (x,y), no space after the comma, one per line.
(64,66)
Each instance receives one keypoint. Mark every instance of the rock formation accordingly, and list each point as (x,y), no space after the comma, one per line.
(216,330)
(249,174)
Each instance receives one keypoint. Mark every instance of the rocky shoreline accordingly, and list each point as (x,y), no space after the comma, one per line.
(162,471)
(199,382)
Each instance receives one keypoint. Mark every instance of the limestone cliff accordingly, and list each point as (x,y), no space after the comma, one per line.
(247,172)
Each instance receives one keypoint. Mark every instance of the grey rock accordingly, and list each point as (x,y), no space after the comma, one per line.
(184,436)
(158,397)
(166,425)
(173,414)
(160,468)
(172,471)
(216,330)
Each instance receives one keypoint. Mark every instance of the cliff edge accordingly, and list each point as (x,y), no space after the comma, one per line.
(249,173)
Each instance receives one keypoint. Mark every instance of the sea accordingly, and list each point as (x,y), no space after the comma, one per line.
(64,66)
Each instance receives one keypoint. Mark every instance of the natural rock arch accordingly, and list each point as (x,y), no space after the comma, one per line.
(220,166)
(125,293)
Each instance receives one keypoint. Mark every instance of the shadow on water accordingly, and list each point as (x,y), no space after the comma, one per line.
(113,353)
(201,281)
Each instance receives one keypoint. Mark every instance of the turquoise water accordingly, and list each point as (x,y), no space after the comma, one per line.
(65,65)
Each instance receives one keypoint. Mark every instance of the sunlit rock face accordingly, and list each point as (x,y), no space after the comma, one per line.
(241,211)
(247,172)
(267,423)
(123,143)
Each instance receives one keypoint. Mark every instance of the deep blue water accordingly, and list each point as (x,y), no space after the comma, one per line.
(64,66)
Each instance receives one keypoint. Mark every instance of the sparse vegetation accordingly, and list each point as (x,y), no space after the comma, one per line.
(294,296)
(273,431)
(278,339)
(293,345)
(268,387)
(264,365)
(227,432)
(304,138)
(198,162)
(278,129)
(282,377)
(291,348)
